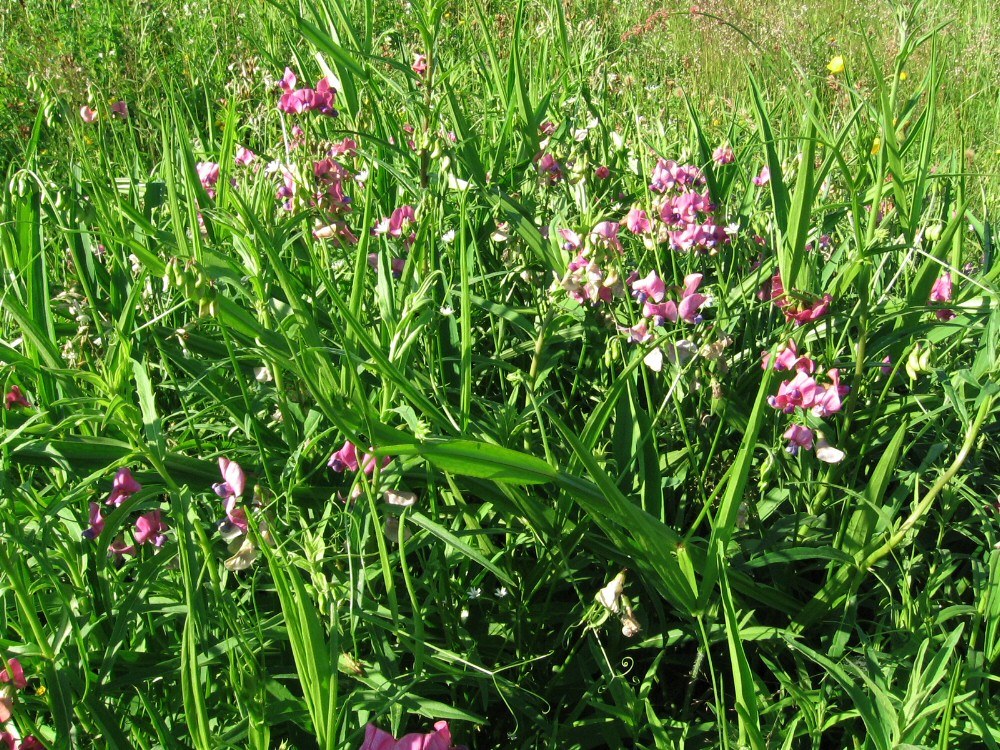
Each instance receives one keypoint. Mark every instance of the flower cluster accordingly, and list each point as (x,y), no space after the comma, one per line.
(591,276)
(803,395)
(797,308)
(150,528)
(686,216)
(296,101)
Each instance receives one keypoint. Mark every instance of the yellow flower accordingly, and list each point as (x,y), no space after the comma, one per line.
(836,65)
(903,76)
(876,146)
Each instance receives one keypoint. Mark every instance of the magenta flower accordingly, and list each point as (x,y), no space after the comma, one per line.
(548,167)
(119,109)
(345,458)
(788,359)
(96,522)
(149,527)
(15,397)
(651,287)
(288,81)
(638,222)
(123,487)
(31,743)
(942,292)
(602,173)
(547,128)
(799,392)
(369,461)
(886,366)
(419,64)
(14,674)
(234,480)
(378,739)
(798,437)
(208,175)
(795,310)
(763,178)
(830,400)
(723,155)
(244,156)
(87,114)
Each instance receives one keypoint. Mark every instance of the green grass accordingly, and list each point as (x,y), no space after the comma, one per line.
(153,324)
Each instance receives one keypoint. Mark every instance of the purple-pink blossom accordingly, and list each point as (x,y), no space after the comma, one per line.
(149,527)
(15,397)
(379,739)
(122,488)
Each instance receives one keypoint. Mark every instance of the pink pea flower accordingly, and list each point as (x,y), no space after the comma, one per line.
(723,155)
(31,743)
(638,222)
(830,399)
(419,64)
(396,265)
(637,334)
(346,147)
(369,461)
(244,156)
(119,109)
(288,81)
(6,738)
(942,292)
(378,739)
(602,173)
(87,114)
(573,241)
(763,178)
(395,224)
(149,527)
(14,675)
(798,437)
(15,397)
(651,287)
(788,359)
(886,366)
(547,128)
(345,458)
(548,167)
(208,174)
(605,234)
(799,392)
(234,480)
(123,487)
(96,522)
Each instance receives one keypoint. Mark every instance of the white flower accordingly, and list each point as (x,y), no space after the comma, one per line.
(474,592)
(448,237)
(501,593)
(610,594)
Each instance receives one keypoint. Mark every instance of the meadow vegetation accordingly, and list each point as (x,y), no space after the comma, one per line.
(546,375)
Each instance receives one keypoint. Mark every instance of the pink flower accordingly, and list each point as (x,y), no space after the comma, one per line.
(723,155)
(119,109)
(637,334)
(795,310)
(244,156)
(87,114)
(346,147)
(370,460)
(345,458)
(602,173)
(378,739)
(149,527)
(419,64)
(96,522)
(548,167)
(651,287)
(763,178)
(14,674)
(395,224)
(15,397)
(638,222)
(31,743)
(288,81)
(788,359)
(941,292)
(547,128)
(605,234)
(396,265)
(234,480)
(829,400)
(573,240)
(208,173)
(123,487)
(6,738)
(886,366)
(337,231)
(798,437)
(799,392)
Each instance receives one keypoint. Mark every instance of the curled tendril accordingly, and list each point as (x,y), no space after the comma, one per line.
(627,665)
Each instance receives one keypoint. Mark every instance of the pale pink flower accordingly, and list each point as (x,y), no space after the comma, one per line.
(419,64)
(244,156)
(798,437)
(638,222)
(723,155)
(826,452)
(651,287)
(763,178)
(87,114)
